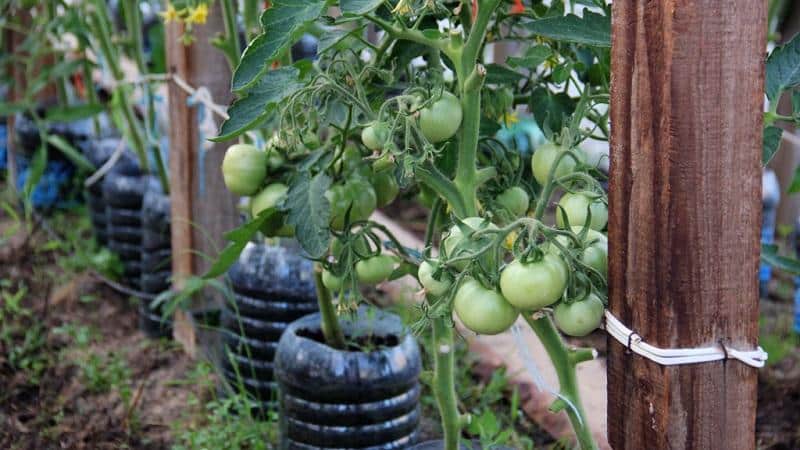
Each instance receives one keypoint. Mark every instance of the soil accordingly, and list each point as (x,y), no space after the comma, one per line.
(58,408)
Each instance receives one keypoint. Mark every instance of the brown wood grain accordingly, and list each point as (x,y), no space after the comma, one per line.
(685,213)
(202,208)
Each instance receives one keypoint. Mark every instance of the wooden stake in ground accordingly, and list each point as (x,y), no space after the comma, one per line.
(202,209)
(685,211)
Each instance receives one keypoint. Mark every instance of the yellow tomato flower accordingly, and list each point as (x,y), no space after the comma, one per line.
(402,7)
(170,14)
(198,14)
(510,118)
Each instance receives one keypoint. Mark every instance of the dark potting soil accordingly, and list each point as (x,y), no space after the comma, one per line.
(365,343)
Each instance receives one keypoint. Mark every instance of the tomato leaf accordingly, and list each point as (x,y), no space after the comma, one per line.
(551,110)
(73,113)
(282,24)
(772,141)
(591,29)
(359,7)
(533,57)
(498,74)
(783,68)
(769,255)
(309,212)
(239,238)
(248,112)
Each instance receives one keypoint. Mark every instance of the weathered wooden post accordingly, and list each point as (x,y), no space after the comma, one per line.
(685,208)
(202,209)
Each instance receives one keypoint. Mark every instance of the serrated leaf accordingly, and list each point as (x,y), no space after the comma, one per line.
(591,29)
(281,23)
(533,57)
(772,141)
(248,112)
(330,38)
(309,212)
(72,113)
(359,7)
(550,110)
(783,68)
(770,256)
(238,237)
(499,74)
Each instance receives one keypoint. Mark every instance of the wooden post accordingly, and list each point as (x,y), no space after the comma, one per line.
(685,211)
(202,209)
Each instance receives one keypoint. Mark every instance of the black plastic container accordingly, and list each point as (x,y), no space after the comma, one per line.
(123,195)
(272,286)
(156,259)
(352,398)
(439,445)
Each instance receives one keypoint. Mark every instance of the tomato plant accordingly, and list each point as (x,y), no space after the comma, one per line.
(420,108)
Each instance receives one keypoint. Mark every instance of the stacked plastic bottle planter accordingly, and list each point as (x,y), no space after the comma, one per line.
(156,259)
(272,286)
(123,194)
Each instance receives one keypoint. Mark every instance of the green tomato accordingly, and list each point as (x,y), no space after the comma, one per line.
(357,195)
(482,310)
(543,159)
(532,286)
(360,245)
(331,281)
(595,253)
(426,196)
(579,318)
(375,135)
(270,197)
(440,121)
(515,199)
(386,188)
(244,169)
(434,287)
(455,238)
(576,207)
(375,269)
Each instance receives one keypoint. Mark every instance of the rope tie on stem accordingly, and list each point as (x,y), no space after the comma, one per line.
(675,356)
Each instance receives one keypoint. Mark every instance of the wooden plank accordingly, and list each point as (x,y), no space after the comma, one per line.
(202,209)
(685,211)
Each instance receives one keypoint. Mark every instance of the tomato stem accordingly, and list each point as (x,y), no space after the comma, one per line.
(331,329)
(444,382)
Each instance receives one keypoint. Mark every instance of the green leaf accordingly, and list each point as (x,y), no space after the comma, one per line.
(239,238)
(282,23)
(772,141)
(250,111)
(35,171)
(499,74)
(309,212)
(769,255)
(73,113)
(359,7)
(794,187)
(783,68)
(591,29)
(796,104)
(533,57)
(9,109)
(551,110)
(71,152)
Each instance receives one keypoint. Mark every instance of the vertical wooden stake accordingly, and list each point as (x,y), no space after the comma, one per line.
(685,200)
(202,209)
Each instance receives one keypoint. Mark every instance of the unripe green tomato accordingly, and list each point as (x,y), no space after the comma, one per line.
(270,197)
(331,281)
(426,196)
(595,254)
(455,237)
(483,310)
(515,199)
(360,246)
(375,135)
(543,159)
(532,286)
(386,188)
(440,121)
(434,287)
(375,269)
(244,169)
(579,318)
(357,195)
(383,163)
(576,207)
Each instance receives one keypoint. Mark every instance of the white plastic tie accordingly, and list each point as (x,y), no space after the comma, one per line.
(675,356)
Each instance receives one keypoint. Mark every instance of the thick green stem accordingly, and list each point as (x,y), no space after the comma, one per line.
(564,361)
(233,44)
(443,382)
(334,336)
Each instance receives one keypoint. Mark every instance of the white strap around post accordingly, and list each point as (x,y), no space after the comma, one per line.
(674,356)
